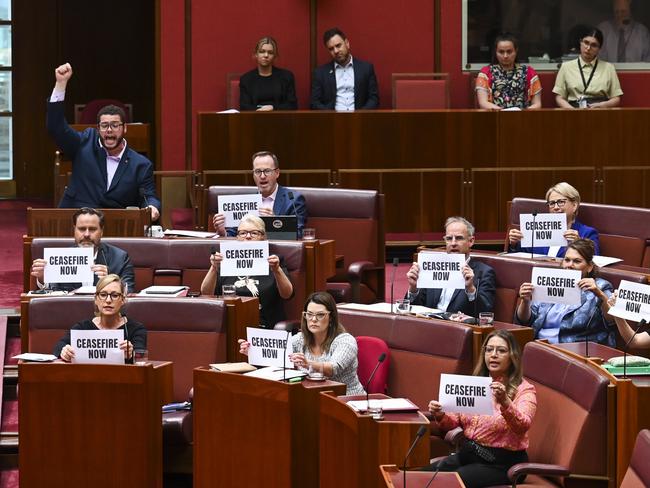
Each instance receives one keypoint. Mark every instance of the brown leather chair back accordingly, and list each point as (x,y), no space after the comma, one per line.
(420,349)
(638,473)
(624,232)
(572,421)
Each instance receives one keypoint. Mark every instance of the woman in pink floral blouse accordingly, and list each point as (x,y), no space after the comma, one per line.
(494,442)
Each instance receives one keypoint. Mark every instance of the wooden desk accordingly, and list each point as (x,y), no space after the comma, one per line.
(632,399)
(57,222)
(92,425)
(394,478)
(406,154)
(255,432)
(353,445)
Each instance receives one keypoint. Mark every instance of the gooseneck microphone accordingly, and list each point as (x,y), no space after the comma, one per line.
(476,312)
(143,197)
(392,283)
(532,247)
(295,213)
(421,431)
(284,357)
(380,360)
(642,327)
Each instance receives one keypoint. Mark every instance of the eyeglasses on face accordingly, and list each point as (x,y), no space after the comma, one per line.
(104,126)
(560,203)
(454,238)
(318,316)
(501,351)
(265,172)
(593,45)
(252,233)
(103,295)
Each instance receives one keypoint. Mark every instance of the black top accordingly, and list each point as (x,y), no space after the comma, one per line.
(278,89)
(271,303)
(136,334)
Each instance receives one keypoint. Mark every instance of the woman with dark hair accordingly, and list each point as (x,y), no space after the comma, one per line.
(494,442)
(588,82)
(110,297)
(323,344)
(558,322)
(266,87)
(505,83)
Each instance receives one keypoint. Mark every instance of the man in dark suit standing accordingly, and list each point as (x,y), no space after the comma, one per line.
(106,173)
(480,279)
(347,84)
(275,198)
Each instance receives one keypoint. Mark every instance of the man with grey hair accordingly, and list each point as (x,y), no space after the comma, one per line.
(626,40)
(480,280)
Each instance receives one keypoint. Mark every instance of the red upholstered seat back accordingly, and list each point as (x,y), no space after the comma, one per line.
(369,350)
(572,420)
(89,113)
(638,473)
(420,94)
(232,90)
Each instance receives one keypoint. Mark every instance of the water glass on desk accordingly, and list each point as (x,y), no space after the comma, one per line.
(309,234)
(228,291)
(485,319)
(140,357)
(403,306)
(315,372)
(375,410)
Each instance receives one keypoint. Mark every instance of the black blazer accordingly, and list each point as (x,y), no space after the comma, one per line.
(323,86)
(282,85)
(484,281)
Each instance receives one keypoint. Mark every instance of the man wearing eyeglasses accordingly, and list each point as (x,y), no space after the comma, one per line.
(88,227)
(480,279)
(106,172)
(275,198)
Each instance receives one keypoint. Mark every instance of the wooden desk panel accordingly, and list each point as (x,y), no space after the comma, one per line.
(394,478)
(484,158)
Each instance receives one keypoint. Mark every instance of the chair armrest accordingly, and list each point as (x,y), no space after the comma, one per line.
(292,325)
(455,436)
(356,272)
(522,469)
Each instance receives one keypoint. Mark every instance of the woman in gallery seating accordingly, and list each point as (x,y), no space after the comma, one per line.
(587,81)
(267,87)
(506,83)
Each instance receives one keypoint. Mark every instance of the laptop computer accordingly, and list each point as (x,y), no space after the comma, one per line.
(281,227)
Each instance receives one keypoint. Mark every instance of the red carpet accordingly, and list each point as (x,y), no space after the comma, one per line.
(13,223)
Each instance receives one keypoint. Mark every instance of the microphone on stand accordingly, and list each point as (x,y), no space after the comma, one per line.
(591,318)
(392,282)
(433,477)
(476,316)
(421,431)
(642,327)
(380,360)
(143,196)
(295,213)
(532,248)
(284,357)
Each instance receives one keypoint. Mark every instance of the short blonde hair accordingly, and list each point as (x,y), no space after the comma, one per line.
(566,190)
(107,280)
(257,222)
(267,40)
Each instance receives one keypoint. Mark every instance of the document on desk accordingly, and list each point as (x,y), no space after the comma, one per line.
(35,357)
(189,233)
(275,373)
(385,308)
(386,404)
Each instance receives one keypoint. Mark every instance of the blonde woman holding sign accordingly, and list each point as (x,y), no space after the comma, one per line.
(271,289)
(559,322)
(110,297)
(494,442)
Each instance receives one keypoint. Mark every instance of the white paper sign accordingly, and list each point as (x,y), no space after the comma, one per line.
(68,265)
(268,346)
(249,258)
(441,270)
(556,285)
(234,207)
(633,301)
(549,230)
(97,346)
(465,394)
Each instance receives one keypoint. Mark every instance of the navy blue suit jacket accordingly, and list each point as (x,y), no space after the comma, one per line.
(87,186)
(323,86)
(284,206)
(584,231)
(484,281)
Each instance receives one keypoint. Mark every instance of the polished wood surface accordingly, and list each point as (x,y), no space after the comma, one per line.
(353,445)
(92,425)
(57,222)
(255,432)
(443,162)
(394,478)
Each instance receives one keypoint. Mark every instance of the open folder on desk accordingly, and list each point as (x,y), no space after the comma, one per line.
(275,373)
(385,308)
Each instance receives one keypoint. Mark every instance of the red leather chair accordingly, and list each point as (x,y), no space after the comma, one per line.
(638,473)
(420,90)
(369,350)
(232,90)
(88,114)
